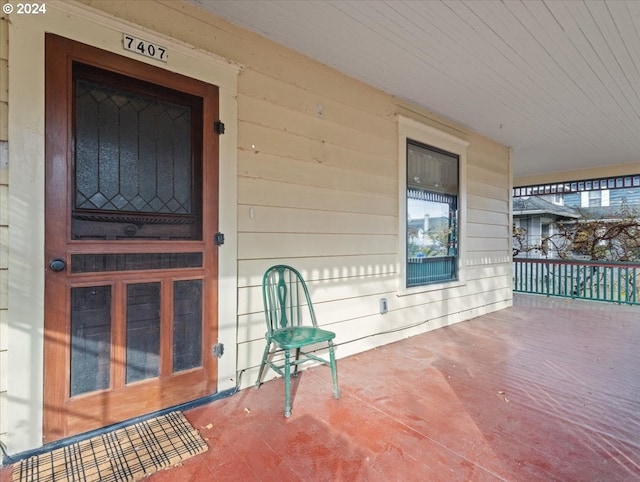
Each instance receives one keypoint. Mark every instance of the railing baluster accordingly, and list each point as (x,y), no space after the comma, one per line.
(612,284)
(626,285)
(619,283)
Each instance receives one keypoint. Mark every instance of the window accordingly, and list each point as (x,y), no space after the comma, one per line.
(432,206)
(595,198)
(432,212)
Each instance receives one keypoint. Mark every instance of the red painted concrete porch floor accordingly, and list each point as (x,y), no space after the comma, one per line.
(546,390)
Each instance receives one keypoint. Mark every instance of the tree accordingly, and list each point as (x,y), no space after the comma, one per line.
(614,238)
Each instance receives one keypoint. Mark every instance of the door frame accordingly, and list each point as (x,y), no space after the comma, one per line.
(25,335)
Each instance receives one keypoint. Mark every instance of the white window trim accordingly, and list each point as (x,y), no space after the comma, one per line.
(416,131)
(584,199)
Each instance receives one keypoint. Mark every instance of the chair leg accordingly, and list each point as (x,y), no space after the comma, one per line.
(334,371)
(295,371)
(287,383)
(264,362)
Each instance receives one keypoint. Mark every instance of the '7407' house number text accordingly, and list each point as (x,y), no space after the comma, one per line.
(144,47)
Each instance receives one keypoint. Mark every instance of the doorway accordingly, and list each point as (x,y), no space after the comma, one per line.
(130,218)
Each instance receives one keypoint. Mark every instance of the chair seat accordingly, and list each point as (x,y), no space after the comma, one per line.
(299,336)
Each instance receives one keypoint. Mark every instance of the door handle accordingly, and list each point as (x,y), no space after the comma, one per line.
(57,264)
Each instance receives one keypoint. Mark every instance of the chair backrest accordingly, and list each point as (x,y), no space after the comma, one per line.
(286,298)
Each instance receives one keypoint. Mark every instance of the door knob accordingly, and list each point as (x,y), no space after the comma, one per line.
(57,264)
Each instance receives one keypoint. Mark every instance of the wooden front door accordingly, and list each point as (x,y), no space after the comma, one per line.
(131,212)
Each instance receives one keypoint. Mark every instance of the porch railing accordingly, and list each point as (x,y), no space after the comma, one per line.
(590,280)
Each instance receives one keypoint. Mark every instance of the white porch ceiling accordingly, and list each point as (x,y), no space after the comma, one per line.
(558,81)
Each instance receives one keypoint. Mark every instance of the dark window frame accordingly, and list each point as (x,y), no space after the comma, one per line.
(439,267)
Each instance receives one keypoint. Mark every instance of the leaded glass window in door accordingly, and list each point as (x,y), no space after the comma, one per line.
(137,169)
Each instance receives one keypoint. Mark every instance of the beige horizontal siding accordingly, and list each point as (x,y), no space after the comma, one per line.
(4,223)
(488,204)
(491,160)
(479,258)
(333,267)
(487,217)
(488,256)
(257,85)
(486,244)
(267,219)
(4,78)
(314,126)
(478,172)
(475,230)
(264,139)
(253,191)
(261,165)
(489,271)
(285,245)
(482,189)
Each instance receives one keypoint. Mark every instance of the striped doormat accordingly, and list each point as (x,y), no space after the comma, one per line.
(127,454)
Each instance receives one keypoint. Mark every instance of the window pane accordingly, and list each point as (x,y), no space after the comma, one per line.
(429,228)
(187,325)
(90,338)
(431,170)
(143,331)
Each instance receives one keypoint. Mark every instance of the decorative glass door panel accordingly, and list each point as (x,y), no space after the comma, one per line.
(187,329)
(130,286)
(135,168)
(143,331)
(90,339)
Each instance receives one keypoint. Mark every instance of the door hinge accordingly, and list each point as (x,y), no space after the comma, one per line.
(218,350)
(218,126)
(218,239)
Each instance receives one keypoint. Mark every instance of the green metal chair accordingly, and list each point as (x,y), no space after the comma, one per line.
(291,325)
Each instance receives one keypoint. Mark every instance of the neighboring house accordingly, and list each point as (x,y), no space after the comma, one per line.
(117,293)
(613,198)
(538,215)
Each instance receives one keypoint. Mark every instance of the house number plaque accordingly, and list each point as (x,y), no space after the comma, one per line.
(144,47)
